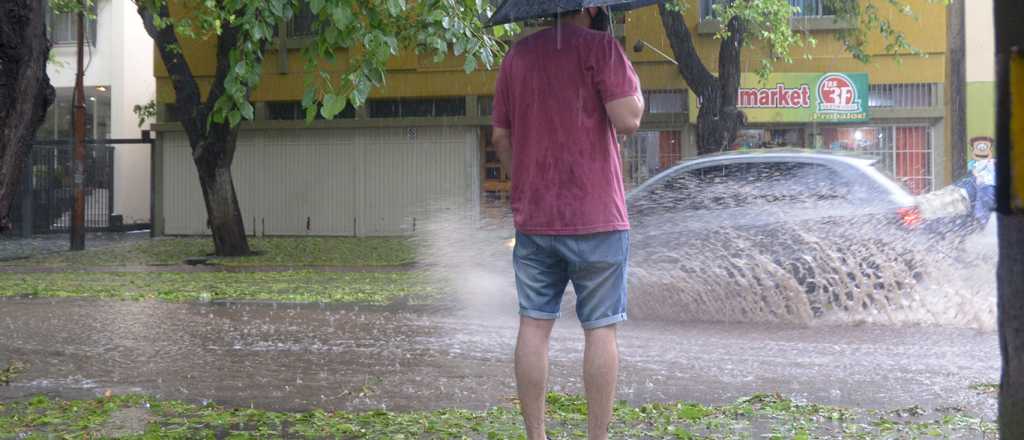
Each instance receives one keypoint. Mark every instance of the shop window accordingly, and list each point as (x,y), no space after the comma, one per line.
(904,152)
(293,111)
(903,95)
(648,153)
(486,105)
(496,183)
(413,108)
(753,138)
(64,27)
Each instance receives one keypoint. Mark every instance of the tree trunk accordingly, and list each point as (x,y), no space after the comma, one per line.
(1009,38)
(956,87)
(718,119)
(213,144)
(25,91)
(225,217)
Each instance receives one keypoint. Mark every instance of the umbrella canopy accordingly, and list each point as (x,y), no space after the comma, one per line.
(518,10)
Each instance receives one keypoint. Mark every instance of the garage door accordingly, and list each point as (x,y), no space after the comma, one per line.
(362,182)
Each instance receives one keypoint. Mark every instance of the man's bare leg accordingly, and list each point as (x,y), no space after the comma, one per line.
(532,372)
(600,374)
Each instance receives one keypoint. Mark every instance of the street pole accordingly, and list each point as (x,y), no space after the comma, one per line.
(956,87)
(78,156)
(1010,196)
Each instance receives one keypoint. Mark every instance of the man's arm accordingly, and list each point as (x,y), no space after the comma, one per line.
(502,140)
(626,114)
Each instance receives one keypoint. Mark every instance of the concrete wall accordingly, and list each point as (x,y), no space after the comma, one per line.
(121,60)
(981,70)
(132,83)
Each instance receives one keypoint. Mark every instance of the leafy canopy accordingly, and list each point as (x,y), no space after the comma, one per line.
(370,32)
(769,22)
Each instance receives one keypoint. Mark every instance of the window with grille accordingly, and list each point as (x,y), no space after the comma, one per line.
(293,111)
(648,153)
(903,95)
(904,152)
(665,101)
(804,8)
(64,27)
(302,23)
(417,108)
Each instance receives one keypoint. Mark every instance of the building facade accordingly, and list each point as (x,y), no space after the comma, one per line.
(981,71)
(422,142)
(118,76)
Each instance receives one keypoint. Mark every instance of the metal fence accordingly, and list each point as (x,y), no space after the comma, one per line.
(47,194)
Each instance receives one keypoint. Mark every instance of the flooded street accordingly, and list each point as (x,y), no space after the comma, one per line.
(298,357)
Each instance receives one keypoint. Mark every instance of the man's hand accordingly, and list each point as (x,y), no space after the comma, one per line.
(502,140)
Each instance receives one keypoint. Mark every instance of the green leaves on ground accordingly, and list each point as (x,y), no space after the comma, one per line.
(272,251)
(761,416)
(301,286)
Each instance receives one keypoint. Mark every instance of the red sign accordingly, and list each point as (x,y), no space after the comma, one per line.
(837,94)
(778,97)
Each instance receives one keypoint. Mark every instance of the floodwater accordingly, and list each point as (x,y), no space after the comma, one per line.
(296,357)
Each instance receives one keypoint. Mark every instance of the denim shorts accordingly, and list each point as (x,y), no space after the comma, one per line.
(595,263)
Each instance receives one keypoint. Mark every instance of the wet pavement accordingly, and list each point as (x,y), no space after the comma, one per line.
(297,357)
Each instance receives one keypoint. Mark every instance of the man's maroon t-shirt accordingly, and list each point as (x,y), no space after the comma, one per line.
(551,95)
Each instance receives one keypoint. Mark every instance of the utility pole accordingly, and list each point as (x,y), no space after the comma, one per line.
(78,156)
(1010,197)
(956,86)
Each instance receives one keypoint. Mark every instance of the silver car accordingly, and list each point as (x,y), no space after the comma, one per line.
(765,222)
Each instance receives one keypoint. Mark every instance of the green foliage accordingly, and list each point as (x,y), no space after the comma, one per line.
(297,286)
(760,416)
(769,23)
(63,6)
(370,33)
(145,112)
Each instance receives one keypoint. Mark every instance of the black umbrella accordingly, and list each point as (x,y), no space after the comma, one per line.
(519,10)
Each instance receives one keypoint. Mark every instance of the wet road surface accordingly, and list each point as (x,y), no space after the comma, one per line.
(297,357)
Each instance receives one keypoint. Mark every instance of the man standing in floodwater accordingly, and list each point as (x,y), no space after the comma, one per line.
(563,97)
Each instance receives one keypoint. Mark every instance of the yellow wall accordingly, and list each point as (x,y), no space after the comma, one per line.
(416,76)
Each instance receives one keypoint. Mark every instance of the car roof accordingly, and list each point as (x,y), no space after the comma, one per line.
(823,157)
(783,154)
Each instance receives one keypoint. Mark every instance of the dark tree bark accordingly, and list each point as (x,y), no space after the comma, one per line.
(213,144)
(718,119)
(956,89)
(25,91)
(1009,40)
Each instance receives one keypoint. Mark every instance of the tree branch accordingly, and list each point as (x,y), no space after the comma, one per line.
(226,42)
(188,108)
(729,62)
(693,70)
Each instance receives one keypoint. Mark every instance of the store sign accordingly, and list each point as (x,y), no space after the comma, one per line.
(805,97)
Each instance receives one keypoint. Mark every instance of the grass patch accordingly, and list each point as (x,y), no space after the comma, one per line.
(272,251)
(986,388)
(296,286)
(761,416)
(13,369)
